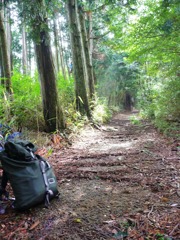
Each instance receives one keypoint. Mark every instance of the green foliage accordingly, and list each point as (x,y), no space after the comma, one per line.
(66,89)
(16,48)
(153,35)
(116,78)
(168,102)
(150,36)
(160,236)
(135,120)
(25,110)
(161,102)
(101,112)
(37,15)
(74,120)
(167,111)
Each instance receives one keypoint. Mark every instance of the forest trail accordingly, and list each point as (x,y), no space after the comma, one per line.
(120,182)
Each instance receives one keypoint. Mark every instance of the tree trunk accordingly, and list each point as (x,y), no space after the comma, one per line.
(5,56)
(90,38)
(90,34)
(29,54)
(52,111)
(87,54)
(51,108)
(1,66)
(9,34)
(61,52)
(55,31)
(82,103)
(24,51)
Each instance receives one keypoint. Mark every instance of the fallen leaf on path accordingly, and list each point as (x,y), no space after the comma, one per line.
(34,225)
(164,199)
(77,220)
(56,139)
(113,217)
(42,152)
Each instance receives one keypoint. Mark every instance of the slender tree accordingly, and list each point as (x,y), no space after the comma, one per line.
(61,51)
(30,53)
(87,54)
(9,33)
(24,51)
(90,33)
(82,103)
(56,45)
(1,66)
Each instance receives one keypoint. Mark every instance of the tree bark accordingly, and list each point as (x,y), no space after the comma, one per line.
(87,54)
(9,34)
(82,103)
(24,51)
(61,52)
(90,34)
(55,31)
(30,52)
(5,55)
(52,111)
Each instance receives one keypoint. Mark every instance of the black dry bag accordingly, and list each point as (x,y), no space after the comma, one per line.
(31,176)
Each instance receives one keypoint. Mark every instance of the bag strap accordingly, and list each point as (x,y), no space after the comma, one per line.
(31,152)
(48,191)
(43,165)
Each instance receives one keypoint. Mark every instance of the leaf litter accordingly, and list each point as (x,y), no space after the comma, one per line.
(120,181)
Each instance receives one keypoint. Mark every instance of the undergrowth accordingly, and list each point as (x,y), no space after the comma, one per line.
(161,104)
(24,111)
(101,112)
(25,108)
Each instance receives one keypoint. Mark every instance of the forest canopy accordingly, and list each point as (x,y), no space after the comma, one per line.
(62,62)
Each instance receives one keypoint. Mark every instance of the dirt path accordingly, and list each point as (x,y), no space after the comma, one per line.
(118,183)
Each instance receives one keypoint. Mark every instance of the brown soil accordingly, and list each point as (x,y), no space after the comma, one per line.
(117,182)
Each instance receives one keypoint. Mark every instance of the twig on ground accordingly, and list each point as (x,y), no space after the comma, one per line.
(178,190)
(150,211)
(177,225)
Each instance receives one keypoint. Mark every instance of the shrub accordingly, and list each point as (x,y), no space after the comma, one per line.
(25,110)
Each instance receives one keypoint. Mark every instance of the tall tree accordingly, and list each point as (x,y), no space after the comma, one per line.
(30,53)
(1,67)
(61,51)
(53,115)
(88,59)
(9,33)
(82,103)
(5,54)
(24,50)
(56,45)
